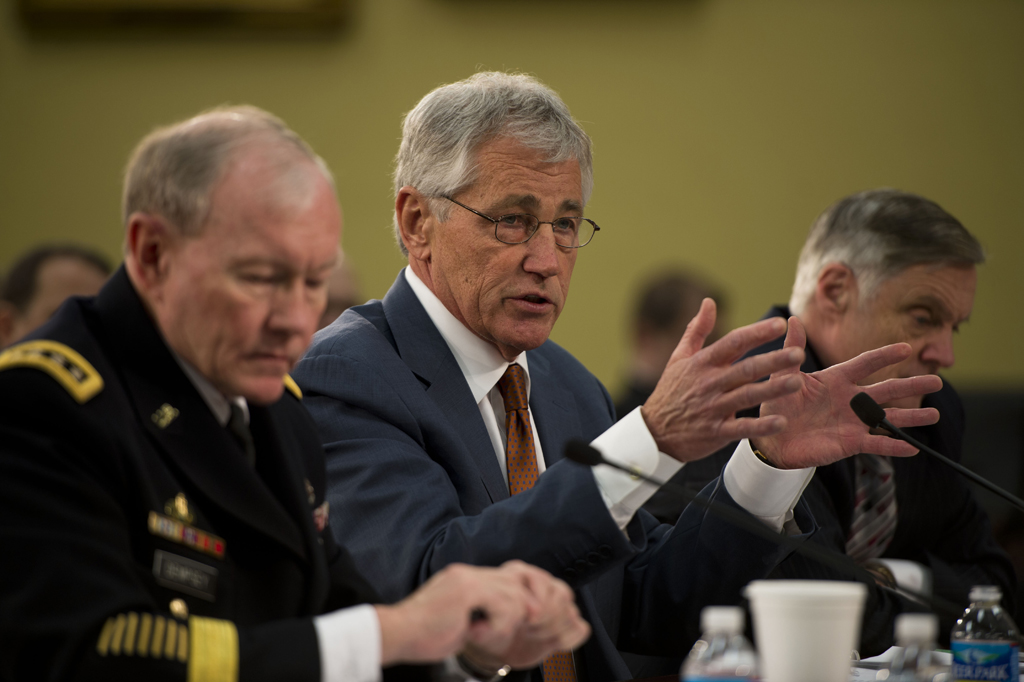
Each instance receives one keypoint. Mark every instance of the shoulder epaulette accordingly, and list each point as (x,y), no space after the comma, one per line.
(292,387)
(63,363)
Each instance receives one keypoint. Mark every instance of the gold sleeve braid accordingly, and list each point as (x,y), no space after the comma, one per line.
(129,634)
(214,646)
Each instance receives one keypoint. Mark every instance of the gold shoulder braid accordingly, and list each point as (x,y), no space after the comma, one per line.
(61,362)
(292,387)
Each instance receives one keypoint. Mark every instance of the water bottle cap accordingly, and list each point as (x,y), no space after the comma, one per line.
(916,627)
(985,593)
(728,619)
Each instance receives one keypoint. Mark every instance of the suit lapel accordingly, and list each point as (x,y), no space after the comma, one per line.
(554,409)
(426,353)
(188,435)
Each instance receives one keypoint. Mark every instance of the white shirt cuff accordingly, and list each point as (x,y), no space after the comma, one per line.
(910,575)
(768,493)
(630,443)
(350,643)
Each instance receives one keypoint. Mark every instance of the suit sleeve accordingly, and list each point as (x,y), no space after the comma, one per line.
(73,601)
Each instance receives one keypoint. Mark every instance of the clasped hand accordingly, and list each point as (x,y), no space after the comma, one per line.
(528,614)
(805,419)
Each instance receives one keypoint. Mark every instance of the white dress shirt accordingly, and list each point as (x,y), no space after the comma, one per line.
(349,639)
(766,492)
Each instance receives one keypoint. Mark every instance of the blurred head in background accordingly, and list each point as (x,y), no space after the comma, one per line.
(39,282)
(882,267)
(342,291)
(665,303)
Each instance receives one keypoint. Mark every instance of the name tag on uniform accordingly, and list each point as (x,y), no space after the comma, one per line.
(185,575)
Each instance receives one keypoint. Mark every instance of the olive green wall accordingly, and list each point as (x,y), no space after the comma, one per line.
(721,129)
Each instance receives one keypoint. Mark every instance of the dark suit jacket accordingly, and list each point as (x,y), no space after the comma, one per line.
(414,485)
(91,533)
(939,523)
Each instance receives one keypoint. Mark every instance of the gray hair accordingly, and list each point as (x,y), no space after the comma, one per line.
(174,169)
(441,136)
(878,234)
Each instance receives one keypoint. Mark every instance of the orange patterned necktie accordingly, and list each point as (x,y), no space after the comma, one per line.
(521,463)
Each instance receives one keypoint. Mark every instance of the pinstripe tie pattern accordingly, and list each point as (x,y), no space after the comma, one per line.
(874,510)
(521,464)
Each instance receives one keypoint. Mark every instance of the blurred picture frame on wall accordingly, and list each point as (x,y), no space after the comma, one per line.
(270,14)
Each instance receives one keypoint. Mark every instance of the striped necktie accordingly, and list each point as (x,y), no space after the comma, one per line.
(874,511)
(521,463)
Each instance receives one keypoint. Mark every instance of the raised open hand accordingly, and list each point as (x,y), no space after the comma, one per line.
(822,427)
(692,411)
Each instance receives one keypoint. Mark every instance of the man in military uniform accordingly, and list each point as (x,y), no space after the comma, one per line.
(162,506)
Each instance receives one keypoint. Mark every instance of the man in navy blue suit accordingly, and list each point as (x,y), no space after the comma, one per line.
(444,409)
(882,266)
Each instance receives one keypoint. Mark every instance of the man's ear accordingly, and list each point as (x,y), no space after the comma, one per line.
(148,242)
(8,318)
(412,211)
(836,292)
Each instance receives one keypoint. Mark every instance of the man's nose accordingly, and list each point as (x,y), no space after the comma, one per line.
(294,311)
(542,252)
(939,350)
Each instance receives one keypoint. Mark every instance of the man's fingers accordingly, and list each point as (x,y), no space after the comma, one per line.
(575,635)
(751,395)
(887,447)
(869,362)
(696,331)
(903,419)
(896,389)
(754,368)
(796,337)
(736,343)
(752,427)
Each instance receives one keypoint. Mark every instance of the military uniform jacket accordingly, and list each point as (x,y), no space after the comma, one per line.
(138,543)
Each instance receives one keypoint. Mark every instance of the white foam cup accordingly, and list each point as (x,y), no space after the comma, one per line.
(806,629)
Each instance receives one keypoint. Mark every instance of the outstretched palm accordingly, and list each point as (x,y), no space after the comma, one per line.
(821,428)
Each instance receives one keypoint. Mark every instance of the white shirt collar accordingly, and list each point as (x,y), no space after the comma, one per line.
(214,399)
(479,360)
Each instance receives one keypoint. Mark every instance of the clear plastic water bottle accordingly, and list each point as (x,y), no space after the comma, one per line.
(915,662)
(985,640)
(722,654)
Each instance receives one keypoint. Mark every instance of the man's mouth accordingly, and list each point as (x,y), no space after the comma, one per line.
(533,303)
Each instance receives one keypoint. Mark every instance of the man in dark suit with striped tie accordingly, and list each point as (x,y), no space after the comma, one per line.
(879,267)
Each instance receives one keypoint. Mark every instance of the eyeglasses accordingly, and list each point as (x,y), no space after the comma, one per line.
(570,232)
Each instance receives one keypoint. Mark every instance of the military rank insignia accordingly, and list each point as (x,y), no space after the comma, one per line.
(64,364)
(164,415)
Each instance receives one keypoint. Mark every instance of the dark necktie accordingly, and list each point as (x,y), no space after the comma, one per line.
(874,511)
(521,463)
(240,430)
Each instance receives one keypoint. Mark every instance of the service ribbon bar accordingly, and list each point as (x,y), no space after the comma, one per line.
(184,534)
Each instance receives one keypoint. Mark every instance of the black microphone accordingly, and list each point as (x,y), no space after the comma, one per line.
(869,412)
(583,453)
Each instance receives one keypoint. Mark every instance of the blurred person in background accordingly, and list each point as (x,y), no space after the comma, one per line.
(41,280)
(665,304)
(342,290)
(878,267)
(162,511)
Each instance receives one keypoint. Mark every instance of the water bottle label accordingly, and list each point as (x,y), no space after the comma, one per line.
(974,660)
